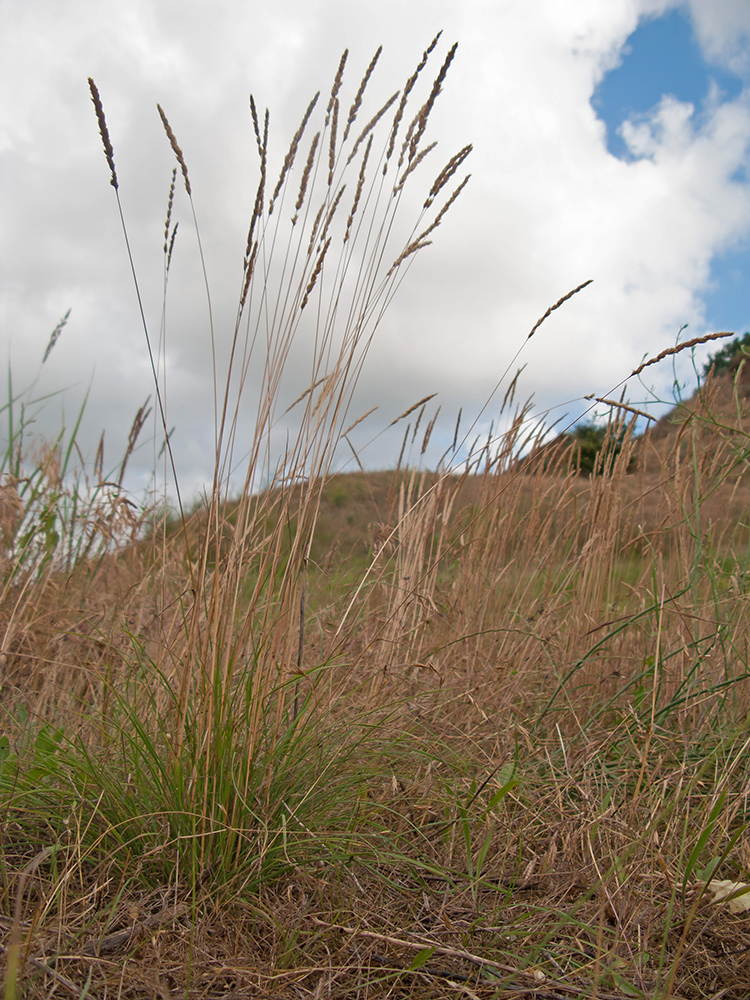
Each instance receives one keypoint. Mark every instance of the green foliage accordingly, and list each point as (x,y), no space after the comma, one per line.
(589,439)
(729,357)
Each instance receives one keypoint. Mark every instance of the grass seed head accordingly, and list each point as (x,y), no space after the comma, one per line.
(103,131)
(175,149)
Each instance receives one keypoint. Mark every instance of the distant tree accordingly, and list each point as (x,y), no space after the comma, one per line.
(729,358)
(588,440)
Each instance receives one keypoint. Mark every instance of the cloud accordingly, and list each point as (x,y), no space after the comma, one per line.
(723,30)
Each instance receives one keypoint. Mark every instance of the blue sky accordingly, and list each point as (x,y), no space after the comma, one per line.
(663,56)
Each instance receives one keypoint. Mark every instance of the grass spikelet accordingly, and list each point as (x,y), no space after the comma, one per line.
(418,422)
(446,173)
(332,141)
(357,103)
(623,406)
(256,125)
(55,336)
(289,158)
(370,126)
(332,212)
(422,241)
(336,84)
(316,272)
(416,130)
(415,406)
(358,192)
(314,229)
(674,350)
(557,305)
(170,202)
(441,214)
(359,420)
(405,97)
(104,132)
(139,420)
(171,244)
(408,252)
(306,175)
(260,192)
(413,166)
(428,432)
(249,268)
(403,447)
(175,148)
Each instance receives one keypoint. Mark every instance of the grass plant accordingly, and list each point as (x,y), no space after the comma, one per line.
(474,731)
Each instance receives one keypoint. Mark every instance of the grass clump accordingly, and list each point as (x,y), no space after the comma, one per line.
(476,729)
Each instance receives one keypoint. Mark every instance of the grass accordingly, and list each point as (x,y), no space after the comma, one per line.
(480,731)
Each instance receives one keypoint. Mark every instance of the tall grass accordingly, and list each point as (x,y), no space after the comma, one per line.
(484,725)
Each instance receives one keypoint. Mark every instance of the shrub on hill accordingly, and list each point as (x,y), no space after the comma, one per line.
(729,357)
(588,440)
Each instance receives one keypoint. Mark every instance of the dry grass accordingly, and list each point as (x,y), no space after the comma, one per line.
(475,732)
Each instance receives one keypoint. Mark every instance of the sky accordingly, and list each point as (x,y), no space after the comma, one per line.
(611,143)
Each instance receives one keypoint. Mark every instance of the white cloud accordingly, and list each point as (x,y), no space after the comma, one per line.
(723,30)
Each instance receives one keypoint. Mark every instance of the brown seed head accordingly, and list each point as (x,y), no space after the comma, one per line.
(316,272)
(360,93)
(175,148)
(104,132)
(332,142)
(420,122)
(405,95)
(289,158)
(370,126)
(306,174)
(446,173)
(360,185)
(336,84)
